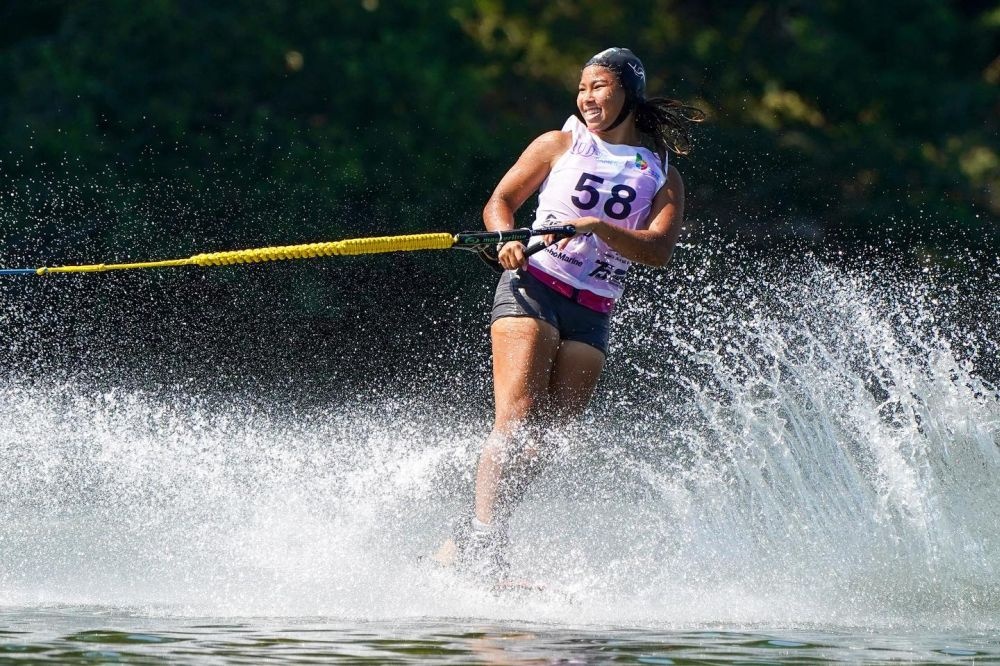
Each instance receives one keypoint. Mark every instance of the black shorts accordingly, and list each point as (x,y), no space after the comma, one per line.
(520,294)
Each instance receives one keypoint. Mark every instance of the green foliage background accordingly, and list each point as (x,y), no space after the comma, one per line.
(161,128)
(400,116)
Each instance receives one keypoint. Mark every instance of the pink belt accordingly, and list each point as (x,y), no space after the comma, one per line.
(587,299)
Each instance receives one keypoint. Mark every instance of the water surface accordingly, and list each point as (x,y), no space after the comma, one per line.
(94,635)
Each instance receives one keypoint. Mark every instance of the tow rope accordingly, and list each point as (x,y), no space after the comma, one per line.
(481,242)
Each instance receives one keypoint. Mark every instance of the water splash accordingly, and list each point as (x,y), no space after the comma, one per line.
(779,445)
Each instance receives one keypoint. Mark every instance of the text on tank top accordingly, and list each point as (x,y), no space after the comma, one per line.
(616,183)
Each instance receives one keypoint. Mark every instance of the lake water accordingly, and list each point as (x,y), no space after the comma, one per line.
(779,468)
(92,635)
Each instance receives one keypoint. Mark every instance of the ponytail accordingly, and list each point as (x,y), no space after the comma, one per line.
(668,123)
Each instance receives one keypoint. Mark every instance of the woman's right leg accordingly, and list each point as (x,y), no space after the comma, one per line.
(524,351)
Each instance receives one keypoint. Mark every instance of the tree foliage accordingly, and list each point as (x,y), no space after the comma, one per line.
(835,116)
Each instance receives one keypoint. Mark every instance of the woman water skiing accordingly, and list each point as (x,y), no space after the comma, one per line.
(606,174)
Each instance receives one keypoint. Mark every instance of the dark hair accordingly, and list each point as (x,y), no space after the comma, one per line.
(668,123)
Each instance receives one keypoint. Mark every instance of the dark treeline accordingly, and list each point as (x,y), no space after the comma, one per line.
(137,130)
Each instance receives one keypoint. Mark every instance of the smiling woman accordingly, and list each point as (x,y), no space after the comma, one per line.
(608,178)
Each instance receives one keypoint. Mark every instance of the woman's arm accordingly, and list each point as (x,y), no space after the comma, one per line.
(655,244)
(523,179)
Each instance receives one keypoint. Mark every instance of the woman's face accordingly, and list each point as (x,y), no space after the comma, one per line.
(600,97)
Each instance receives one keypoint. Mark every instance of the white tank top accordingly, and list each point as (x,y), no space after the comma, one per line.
(616,183)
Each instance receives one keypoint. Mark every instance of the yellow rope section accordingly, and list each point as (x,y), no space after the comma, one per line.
(97,268)
(333,248)
(351,246)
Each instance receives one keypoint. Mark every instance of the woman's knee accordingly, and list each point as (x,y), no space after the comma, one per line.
(514,414)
